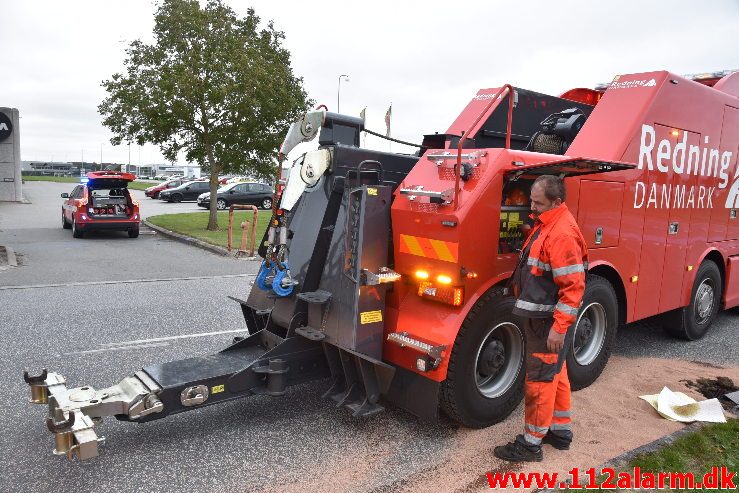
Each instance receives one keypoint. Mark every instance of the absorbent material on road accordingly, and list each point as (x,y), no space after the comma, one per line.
(677,406)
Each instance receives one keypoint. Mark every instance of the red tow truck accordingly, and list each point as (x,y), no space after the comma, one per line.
(387,273)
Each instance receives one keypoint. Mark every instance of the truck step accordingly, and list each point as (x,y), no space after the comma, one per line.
(311,333)
(315,297)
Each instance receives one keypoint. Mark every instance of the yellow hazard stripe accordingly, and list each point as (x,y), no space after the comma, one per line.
(411,244)
(429,248)
(442,251)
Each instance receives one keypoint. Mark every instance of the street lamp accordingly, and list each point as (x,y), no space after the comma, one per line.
(338,92)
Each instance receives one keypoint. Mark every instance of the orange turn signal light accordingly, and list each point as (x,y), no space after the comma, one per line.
(443,279)
(422,274)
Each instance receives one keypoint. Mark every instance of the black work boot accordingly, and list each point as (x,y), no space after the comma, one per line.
(560,441)
(519,451)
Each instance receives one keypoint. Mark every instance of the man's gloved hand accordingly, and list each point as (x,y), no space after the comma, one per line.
(555,341)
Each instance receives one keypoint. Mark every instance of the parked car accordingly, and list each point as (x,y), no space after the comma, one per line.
(251,193)
(189,190)
(101,202)
(154,191)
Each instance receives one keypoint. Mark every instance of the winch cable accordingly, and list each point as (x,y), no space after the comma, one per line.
(393,140)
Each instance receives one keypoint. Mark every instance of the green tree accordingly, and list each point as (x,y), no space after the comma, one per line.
(212,85)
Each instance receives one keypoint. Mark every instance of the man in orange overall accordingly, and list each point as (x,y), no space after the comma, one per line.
(549,284)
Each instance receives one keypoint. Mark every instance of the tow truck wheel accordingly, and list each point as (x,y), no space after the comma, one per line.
(65,224)
(595,333)
(76,232)
(693,321)
(485,379)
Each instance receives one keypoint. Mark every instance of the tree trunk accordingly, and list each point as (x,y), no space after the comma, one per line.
(213,216)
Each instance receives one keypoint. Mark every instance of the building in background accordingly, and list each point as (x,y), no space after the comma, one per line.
(10,156)
(77,168)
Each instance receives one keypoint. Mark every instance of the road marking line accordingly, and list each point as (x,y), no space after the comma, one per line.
(121,348)
(126,281)
(172,338)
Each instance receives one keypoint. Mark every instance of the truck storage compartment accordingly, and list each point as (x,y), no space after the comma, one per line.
(515,210)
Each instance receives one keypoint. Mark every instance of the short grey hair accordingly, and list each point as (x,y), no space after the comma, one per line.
(552,186)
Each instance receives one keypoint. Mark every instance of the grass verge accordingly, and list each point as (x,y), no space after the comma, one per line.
(697,453)
(194,223)
(135,185)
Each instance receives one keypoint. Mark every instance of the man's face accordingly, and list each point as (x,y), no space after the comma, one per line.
(539,201)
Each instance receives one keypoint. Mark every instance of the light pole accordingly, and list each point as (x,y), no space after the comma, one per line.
(338,92)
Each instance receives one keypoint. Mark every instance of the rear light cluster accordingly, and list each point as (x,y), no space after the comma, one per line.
(440,288)
(450,295)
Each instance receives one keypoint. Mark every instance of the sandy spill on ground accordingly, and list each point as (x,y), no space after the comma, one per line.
(609,419)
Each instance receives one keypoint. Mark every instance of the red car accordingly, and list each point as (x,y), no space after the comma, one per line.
(101,202)
(153,192)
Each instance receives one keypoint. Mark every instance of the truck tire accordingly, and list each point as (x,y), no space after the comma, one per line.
(693,321)
(486,372)
(595,333)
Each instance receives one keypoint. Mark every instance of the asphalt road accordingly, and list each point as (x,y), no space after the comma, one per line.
(71,301)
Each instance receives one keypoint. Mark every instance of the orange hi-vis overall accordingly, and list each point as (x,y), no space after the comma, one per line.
(549,283)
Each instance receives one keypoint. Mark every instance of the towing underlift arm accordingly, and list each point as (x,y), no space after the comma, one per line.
(261,364)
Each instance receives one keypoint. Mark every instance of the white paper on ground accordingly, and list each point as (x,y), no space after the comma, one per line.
(677,406)
(652,400)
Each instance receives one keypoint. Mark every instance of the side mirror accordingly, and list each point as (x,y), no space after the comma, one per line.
(65,195)
(230,191)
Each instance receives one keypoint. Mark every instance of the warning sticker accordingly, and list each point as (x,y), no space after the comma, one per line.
(371,317)
(371,191)
(217,389)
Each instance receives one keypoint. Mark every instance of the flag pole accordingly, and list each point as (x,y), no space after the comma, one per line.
(388,117)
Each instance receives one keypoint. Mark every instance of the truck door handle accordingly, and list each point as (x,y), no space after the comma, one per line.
(673,228)
(598,236)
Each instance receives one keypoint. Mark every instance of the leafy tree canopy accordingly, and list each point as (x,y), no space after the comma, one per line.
(212,85)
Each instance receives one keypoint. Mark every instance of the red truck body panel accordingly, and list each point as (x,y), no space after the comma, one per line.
(657,221)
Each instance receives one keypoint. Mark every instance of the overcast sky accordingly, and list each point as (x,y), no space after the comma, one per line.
(428,57)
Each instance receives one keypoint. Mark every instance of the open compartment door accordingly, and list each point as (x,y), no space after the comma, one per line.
(109,179)
(565,168)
